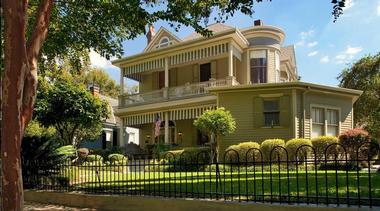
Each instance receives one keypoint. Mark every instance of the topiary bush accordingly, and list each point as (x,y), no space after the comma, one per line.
(68,151)
(354,141)
(302,145)
(119,158)
(92,158)
(83,153)
(251,147)
(321,143)
(186,159)
(268,145)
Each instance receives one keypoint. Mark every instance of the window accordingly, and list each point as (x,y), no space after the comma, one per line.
(205,72)
(325,122)
(163,42)
(317,115)
(258,66)
(271,113)
(332,122)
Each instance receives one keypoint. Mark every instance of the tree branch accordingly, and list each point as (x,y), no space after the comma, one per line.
(33,49)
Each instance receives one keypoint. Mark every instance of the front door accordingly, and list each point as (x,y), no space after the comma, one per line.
(205,72)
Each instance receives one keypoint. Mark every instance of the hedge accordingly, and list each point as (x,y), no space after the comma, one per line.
(298,148)
(268,145)
(238,153)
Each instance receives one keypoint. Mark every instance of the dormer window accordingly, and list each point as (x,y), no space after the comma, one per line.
(163,42)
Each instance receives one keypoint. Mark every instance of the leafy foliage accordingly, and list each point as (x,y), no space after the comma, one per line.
(302,145)
(323,143)
(215,123)
(243,152)
(273,147)
(34,129)
(354,141)
(107,86)
(365,75)
(72,110)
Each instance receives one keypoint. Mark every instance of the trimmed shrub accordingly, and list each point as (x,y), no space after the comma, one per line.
(117,158)
(321,143)
(92,158)
(251,147)
(83,152)
(302,145)
(186,159)
(354,142)
(267,147)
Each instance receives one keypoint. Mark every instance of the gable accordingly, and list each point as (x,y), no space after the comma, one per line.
(160,38)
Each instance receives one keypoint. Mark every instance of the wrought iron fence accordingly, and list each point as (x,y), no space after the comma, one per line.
(334,175)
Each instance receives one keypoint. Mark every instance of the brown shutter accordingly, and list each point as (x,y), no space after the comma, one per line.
(173,77)
(196,73)
(258,109)
(284,111)
(213,69)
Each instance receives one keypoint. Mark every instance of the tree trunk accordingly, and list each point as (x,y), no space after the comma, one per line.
(19,91)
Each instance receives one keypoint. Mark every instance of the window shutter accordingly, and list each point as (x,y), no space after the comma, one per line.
(173,77)
(213,69)
(196,73)
(258,109)
(284,111)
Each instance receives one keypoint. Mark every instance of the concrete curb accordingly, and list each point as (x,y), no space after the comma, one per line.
(146,203)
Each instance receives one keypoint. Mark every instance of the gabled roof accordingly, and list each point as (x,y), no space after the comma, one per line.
(215,28)
(161,32)
(288,54)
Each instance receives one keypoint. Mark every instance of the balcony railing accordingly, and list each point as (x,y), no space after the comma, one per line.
(172,93)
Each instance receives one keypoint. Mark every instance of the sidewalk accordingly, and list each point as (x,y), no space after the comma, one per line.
(51,207)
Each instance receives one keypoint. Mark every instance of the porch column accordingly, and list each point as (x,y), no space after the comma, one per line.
(121,98)
(167,127)
(121,81)
(230,60)
(122,133)
(166,77)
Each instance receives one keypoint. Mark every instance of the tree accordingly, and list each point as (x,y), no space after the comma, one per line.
(107,86)
(365,75)
(72,111)
(216,123)
(75,27)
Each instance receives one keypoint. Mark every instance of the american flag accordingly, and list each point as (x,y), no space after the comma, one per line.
(157,126)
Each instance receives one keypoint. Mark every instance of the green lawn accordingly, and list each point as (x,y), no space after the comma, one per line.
(311,186)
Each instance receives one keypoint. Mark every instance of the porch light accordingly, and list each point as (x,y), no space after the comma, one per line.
(180,136)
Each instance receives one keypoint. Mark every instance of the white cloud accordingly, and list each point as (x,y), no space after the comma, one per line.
(353,50)
(98,61)
(378,9)
(349,4)
(304,35)
(325,59)
(312,44)
(313,53)
(347,55)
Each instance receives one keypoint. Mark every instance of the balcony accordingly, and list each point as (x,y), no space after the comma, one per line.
(174,93)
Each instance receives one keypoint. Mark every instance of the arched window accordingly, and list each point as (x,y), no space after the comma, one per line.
(163,42)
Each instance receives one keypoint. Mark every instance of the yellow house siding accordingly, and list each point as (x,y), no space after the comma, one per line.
(146,83)
(244,109)
(271,66)
(221,68)
(347,123)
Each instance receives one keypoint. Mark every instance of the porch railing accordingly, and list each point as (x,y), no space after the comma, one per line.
(178,92)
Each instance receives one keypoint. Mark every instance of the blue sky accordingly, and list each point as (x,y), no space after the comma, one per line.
(323,48)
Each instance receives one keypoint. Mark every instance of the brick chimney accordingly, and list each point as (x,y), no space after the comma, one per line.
(151,33)
(94,89)
(258,22)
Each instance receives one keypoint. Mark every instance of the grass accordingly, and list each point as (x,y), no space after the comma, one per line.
(317,186)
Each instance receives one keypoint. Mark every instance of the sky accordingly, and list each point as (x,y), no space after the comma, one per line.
(323,48)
